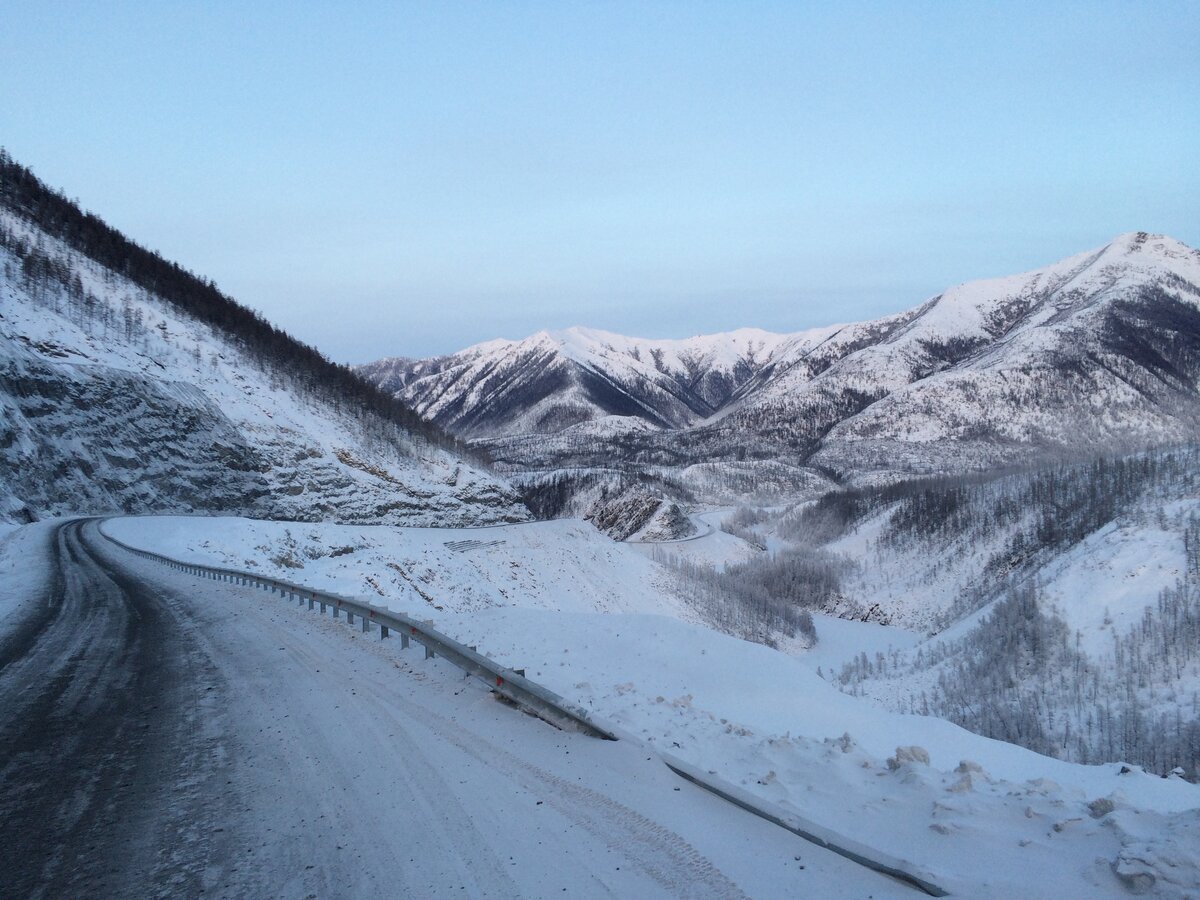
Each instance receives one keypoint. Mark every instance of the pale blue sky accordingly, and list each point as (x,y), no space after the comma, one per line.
(407,178)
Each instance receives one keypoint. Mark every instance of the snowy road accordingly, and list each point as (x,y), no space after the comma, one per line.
(162,734)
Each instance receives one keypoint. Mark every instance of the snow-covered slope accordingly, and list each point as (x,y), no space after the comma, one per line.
(565,565)
(1102,348)
(591,620)
(112,399)
(1060,607)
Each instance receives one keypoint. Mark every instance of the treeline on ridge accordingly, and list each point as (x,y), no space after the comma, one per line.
(29,197)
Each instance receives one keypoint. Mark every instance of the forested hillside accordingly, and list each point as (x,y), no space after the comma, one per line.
(56,216)
(1062,602)
(130,384)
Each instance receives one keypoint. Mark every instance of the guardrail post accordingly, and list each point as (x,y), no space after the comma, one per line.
(366,624)
(322,607)
(428,652)
(403,641)
(335,611)
(310,601)
(383,632)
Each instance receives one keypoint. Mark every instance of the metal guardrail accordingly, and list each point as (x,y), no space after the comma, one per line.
(508,683)
(894,867)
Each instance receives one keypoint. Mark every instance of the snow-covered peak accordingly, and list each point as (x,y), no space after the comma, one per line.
(988,309)
(1142,243)
(582,344)
(553,380)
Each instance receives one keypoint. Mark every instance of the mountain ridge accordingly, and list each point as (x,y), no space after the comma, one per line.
(907,390)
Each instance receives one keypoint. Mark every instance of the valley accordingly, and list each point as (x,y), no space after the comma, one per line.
(928,581)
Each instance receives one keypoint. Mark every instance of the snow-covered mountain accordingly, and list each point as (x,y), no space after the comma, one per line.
(553,381)
(1102,348)
(114,396)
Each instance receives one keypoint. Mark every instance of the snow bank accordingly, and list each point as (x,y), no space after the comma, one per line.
(25,573)
(564,565)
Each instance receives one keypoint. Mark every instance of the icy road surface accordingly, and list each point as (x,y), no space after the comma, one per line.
(160,734)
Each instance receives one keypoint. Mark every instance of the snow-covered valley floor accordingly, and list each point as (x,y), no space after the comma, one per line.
(599,623)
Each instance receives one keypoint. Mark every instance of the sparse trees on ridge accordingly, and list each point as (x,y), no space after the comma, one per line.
(304,366)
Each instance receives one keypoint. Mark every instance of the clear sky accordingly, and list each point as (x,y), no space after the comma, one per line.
(409,178)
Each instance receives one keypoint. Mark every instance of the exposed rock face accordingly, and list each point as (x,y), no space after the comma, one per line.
(649,518)
(119,441)
(625,516)
(669,523)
